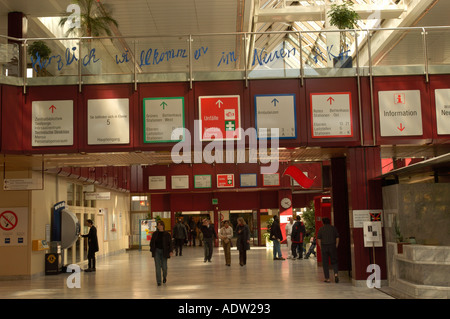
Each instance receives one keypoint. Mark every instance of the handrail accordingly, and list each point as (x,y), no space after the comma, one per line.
(230,33)
(299,34)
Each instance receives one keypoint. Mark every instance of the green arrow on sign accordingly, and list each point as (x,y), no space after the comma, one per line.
(163,104)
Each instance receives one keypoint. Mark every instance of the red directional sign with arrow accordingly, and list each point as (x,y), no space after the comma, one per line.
(219,117)
(331,115)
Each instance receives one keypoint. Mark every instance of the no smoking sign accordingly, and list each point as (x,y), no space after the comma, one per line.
(13,226)
(8,220)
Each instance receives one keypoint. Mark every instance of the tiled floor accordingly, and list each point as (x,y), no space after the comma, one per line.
(131,275)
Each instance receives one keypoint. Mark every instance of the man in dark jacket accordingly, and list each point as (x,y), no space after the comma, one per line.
(180,235)
(92,245)
(297,235)
(328,241)
(276,237)
(161,249)
(209,234)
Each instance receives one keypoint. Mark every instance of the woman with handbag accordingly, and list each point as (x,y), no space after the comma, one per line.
(225,234)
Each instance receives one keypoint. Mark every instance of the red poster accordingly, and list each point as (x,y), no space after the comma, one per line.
(220,117)
(225,180)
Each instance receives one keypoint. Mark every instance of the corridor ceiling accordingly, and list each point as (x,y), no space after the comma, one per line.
(183,17)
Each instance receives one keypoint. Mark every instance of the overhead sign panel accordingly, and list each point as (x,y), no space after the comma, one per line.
(220,118)
(443,111)
(331,115)
(400,113)
(52,123)
(162,117)
(276,111)
(108,121)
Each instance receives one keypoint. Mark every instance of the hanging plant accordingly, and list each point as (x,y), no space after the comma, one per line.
(343,17)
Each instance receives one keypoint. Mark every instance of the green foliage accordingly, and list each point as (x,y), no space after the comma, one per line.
(343,16)
(95,20)
(266,235)
(39,47)
(309,219)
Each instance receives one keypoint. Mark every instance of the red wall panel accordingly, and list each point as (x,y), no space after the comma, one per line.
(12,119)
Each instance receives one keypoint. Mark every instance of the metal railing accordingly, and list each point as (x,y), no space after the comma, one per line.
(227,56)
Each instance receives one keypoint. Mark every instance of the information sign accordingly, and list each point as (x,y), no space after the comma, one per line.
(400,113)
(220,118)
(161,117)
(331,115)
(52,123)
(276,111)
(180,181)
(108,121)
(443,111)
(225,180)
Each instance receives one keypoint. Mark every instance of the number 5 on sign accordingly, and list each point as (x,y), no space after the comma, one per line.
(108,121)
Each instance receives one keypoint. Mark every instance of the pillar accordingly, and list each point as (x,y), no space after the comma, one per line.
(17,28)
(339,207)
(364,192)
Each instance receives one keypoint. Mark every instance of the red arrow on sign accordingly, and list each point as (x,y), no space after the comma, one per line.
(401,128)
(52,108)
(330,99)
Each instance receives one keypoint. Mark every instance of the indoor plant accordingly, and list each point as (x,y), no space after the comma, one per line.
(343,17)
(39,53)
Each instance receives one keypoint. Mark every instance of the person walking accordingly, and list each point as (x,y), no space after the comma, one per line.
(288,229)
(193,227)
(180,235)
(297,235)
(92,245)
(161,249)
(243,240)
(328,241)
(311,248)
(209,234)
(225,234)
(276,236)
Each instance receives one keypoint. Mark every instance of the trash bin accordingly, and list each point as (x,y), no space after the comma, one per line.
(53,263)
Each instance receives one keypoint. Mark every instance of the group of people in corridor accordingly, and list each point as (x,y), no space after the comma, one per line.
(162,244)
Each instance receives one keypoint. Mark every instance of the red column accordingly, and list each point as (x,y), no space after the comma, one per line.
(364,192)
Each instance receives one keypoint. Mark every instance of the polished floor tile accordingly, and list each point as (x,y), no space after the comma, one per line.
(131,275)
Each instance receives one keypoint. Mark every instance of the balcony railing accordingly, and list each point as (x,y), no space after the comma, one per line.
(227,56)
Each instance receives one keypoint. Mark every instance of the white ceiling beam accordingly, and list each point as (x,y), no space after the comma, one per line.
(318,13)
(384,41)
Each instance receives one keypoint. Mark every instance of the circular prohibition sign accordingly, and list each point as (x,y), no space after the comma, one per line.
(8,220)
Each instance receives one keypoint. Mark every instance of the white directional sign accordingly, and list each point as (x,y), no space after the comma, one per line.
(161,117)
(400,113)
(52,123)
(443,111)
(108,121)
(331,115)
(276,111)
